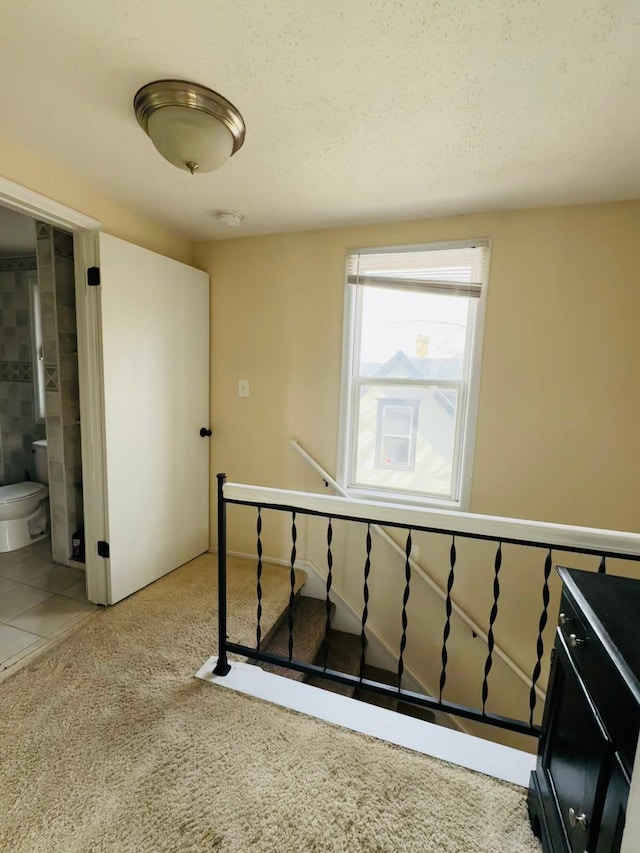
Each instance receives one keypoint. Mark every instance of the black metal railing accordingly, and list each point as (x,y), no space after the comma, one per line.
(397,692)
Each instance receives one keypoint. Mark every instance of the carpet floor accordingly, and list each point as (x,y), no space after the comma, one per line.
(109,743)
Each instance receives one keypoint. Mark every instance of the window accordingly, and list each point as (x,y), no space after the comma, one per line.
(396,424)
(412,353)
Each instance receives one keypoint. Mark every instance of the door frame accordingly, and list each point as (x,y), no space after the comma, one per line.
(85,232)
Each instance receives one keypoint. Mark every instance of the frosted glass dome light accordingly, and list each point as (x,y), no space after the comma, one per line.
(193,127)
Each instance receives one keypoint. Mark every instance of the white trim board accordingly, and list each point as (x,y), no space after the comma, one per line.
(492,759)
(30,203)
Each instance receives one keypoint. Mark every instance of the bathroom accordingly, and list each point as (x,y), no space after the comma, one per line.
(42,579)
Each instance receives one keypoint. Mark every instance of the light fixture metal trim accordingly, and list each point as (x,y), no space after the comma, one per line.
(182,93)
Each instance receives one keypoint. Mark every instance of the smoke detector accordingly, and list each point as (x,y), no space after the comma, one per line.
(229,218)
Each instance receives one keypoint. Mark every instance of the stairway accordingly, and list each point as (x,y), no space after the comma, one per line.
(344,656)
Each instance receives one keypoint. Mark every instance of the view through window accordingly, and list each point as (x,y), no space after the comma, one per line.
(413,323)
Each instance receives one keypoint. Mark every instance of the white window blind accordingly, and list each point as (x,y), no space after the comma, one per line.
(451,271)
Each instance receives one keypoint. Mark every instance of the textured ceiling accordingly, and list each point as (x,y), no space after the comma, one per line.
(359,111)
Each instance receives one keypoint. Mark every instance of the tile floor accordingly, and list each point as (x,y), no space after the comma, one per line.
(39,599)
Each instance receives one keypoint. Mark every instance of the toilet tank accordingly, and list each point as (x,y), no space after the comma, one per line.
(42,460)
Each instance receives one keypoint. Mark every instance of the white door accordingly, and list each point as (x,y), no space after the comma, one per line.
(155,343)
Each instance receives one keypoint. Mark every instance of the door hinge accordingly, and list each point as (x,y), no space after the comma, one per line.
(93,276)
(103,549)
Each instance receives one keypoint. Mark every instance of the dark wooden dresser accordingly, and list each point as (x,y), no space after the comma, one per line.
(579,789)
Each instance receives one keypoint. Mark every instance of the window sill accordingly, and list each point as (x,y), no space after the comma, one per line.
(407,498)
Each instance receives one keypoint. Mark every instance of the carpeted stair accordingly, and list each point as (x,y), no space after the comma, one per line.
(344,656)
(374,673)
(309,626)
(309,618)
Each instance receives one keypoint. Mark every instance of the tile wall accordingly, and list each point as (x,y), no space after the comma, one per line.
(57,295)
(18,425)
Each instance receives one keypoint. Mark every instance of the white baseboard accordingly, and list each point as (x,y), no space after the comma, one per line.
(347,619)
(474,753)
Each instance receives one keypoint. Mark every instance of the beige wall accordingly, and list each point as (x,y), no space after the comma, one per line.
(559,403)
(20,166)
(558,414)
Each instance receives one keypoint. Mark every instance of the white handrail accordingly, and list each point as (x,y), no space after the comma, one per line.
(346,507)
(501,528)
(577,537)
(325,504)
(543,534)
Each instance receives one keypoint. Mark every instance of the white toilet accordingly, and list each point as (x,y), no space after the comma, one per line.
(24,509)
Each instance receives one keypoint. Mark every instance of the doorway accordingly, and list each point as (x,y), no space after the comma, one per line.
(42,571)
(143,376)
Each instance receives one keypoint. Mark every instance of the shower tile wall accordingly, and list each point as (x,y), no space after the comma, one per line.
(57,296)
(18,427)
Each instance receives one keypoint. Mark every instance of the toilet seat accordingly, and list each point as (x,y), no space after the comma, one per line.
(21,491)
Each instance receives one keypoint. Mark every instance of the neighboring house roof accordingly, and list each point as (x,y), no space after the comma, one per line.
(402,366)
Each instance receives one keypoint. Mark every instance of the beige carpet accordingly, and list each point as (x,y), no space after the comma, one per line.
(108,743)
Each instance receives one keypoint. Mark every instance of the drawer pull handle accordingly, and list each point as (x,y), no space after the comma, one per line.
(577,819)
(575,641)
(564,619)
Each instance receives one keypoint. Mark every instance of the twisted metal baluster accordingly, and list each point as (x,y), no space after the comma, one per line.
(539,643)
(492,618)
(405,599)
(259,579)
(292,578)
(327,601)
(365,609)
(448,609)
(602,568)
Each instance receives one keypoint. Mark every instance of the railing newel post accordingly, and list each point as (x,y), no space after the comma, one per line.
(222,667)
(259,579)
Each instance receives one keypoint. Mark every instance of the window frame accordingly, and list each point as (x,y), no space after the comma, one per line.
(468,388)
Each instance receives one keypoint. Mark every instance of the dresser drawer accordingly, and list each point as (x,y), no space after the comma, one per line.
(570,622)
(577,754)
(609,693)
(580,787)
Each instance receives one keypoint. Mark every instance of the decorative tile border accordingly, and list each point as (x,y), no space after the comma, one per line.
(16,371)
(63,244)
(51,380)
(22,264)
(22,371)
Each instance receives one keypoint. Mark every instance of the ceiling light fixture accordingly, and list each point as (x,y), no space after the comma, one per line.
(193,127)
